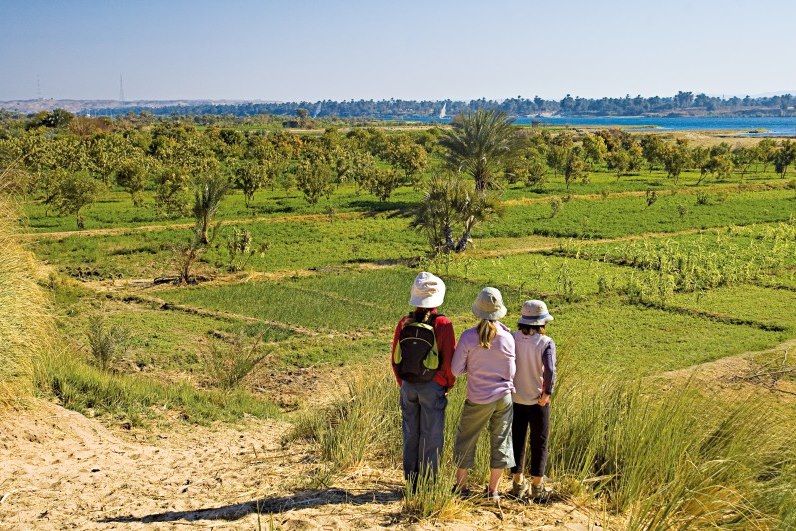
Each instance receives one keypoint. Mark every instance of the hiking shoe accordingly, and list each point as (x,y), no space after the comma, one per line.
(540,492)
(519,490)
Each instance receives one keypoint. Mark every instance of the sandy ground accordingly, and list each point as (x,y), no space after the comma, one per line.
(61,470)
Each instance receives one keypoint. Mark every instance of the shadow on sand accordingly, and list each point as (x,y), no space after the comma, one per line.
(265,506)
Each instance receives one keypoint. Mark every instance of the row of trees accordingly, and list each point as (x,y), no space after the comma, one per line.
(682,102)
(484,146)
(575,155)
(67,161)
(67,164)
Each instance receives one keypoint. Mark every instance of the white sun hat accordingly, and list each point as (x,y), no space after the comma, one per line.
(534,313)
(428,291)
(489,305)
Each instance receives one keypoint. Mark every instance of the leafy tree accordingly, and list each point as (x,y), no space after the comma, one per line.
(653,149)
(131,176)
(208,194)
(700,160)
(529,167)
(382,181)
(557,157)
(360,165)
(480,143)
(574,167)
(765,151)
(52,119)
(784,157)
(75,191)
(674,158)
(171,192)
(619,161)
(107,152)
(594,149)
(535,168)
(407,156)
(742,158)
(450,210)
(314,177)
(635,156)
(249,177)
(720,165)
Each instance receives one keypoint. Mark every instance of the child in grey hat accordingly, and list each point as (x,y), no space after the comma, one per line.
(533,385)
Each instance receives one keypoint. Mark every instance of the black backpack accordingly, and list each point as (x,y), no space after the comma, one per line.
(416,358)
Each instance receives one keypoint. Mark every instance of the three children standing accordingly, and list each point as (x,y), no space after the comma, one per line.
(510,378)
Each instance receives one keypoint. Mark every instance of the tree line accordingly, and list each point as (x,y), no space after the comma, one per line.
(67,161)
(682,103)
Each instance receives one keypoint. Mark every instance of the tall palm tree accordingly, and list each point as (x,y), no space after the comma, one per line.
(479,143)
(207,199)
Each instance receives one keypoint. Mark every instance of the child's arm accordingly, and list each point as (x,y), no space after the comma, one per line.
(549,365)
(446,342)
(459,362)
(396,336)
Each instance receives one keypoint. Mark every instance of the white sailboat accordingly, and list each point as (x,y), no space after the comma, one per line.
(442,113)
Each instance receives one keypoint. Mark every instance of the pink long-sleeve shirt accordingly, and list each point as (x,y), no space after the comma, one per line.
(490,371)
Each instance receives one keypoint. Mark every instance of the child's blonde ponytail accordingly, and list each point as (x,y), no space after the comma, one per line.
(486,332)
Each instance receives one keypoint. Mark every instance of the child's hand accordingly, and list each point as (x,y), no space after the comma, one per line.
(544,399)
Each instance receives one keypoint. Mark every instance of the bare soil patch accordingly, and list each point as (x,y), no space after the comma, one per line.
(62,470)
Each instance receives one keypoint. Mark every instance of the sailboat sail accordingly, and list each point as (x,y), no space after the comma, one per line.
(442,113)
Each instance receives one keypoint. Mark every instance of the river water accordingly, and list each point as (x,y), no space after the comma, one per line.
(778,126)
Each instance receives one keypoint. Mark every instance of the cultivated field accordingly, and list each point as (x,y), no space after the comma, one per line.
(290,352)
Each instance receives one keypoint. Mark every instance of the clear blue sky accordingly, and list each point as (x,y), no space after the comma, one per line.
(300,49)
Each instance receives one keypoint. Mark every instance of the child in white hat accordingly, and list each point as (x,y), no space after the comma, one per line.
(486,354)
(422,350)
(533,385)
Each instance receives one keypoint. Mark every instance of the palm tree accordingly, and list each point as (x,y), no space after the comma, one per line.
(207,199)
(453,205)
(479,143)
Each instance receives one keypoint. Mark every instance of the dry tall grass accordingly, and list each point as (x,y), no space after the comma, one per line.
(26,326)
(676,459)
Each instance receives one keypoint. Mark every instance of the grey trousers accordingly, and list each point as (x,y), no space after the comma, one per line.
(498,415)
(423,422)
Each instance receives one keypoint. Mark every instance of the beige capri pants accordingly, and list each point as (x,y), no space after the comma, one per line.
(498,415)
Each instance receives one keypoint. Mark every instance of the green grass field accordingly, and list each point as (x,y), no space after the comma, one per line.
(637,290)
(340,296)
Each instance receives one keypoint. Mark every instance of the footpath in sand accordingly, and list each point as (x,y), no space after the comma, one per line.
(62,470)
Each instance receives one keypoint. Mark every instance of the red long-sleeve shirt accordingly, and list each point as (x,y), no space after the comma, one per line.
(446,344)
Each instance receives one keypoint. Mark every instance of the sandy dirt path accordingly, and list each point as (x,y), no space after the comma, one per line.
(62,470)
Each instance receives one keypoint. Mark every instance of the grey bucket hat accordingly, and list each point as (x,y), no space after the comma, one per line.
(534,313)
(489,305)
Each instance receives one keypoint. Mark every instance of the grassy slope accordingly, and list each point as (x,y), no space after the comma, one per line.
(25,326)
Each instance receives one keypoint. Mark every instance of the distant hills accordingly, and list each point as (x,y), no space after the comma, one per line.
(681,104)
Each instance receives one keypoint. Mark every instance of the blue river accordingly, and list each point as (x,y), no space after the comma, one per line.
(777,126)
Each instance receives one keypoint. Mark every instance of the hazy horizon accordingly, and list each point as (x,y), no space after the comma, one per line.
(309,51)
